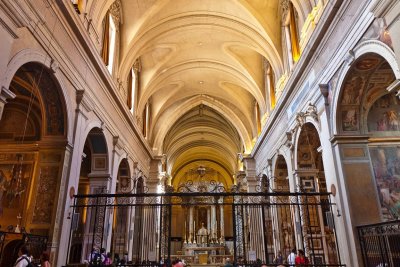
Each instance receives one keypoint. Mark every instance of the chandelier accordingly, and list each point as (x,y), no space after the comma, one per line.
(14,187)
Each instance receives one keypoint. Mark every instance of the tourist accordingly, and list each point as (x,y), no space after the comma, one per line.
(177,263)
(301,260)
(291,260)
(279,258)
(228,263)
(45,259)
(108,260)
(24,259)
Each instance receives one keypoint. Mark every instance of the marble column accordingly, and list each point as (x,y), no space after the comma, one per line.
(151,215)
(209,220)
(191,235)
(213,224)
(255,223)
(221,221)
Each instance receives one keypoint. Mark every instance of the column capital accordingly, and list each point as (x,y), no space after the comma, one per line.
(5,94)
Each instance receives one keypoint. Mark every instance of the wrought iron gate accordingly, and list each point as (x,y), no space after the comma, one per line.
(137,228)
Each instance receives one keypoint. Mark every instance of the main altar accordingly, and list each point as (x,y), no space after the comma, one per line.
(203,233)
(202,248)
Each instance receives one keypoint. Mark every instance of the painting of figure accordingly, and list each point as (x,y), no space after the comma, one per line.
(350,120)
(352,91)
(384,116)
(386,162)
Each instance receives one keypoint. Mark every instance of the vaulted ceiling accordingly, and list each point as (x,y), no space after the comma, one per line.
(201,71)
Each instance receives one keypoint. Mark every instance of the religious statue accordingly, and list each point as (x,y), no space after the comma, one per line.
(202,235)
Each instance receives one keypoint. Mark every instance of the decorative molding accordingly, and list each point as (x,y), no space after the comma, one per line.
(289,140)
(54,65)
(8,29)
(115,11)
(284,6)
(324,89)
(350,57)
(394,86)
(5,94)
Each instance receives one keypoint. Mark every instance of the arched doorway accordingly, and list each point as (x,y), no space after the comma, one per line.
(317,221)
(33,132)
(94,179)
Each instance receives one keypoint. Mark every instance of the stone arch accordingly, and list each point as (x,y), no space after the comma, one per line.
(307,144)
(310,177)
(373,48)
(52,67)
(375,115)
(281,179)
(94,178)
(124,183)
(37,115)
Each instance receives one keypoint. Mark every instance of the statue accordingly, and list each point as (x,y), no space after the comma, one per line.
(202,235)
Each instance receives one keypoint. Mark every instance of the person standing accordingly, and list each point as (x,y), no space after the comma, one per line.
(291,260)
(177,263)
(228,263)
(279,258)
(45,259)
(301,259)
(23,259)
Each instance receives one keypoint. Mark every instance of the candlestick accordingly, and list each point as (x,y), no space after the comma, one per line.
(184,241)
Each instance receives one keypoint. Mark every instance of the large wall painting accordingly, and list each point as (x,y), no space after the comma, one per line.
(386,164)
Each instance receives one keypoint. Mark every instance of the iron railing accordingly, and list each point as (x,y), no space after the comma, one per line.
(137,227)
(380,244)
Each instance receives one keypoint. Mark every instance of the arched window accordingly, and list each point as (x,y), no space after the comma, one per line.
(269,85)
(290,33)
(133,86)
(110,35)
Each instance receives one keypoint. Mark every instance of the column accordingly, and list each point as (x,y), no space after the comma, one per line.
(150,218)
(208,220)
(212,236)
(191,236)
(255,224)
(221,221)
(72,180)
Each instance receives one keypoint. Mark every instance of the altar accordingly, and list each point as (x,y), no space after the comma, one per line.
(203,255)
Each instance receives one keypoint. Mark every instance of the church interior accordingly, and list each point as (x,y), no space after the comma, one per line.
(211,131)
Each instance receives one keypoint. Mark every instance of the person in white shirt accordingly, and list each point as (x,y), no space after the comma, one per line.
(292,258)
(23,259)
